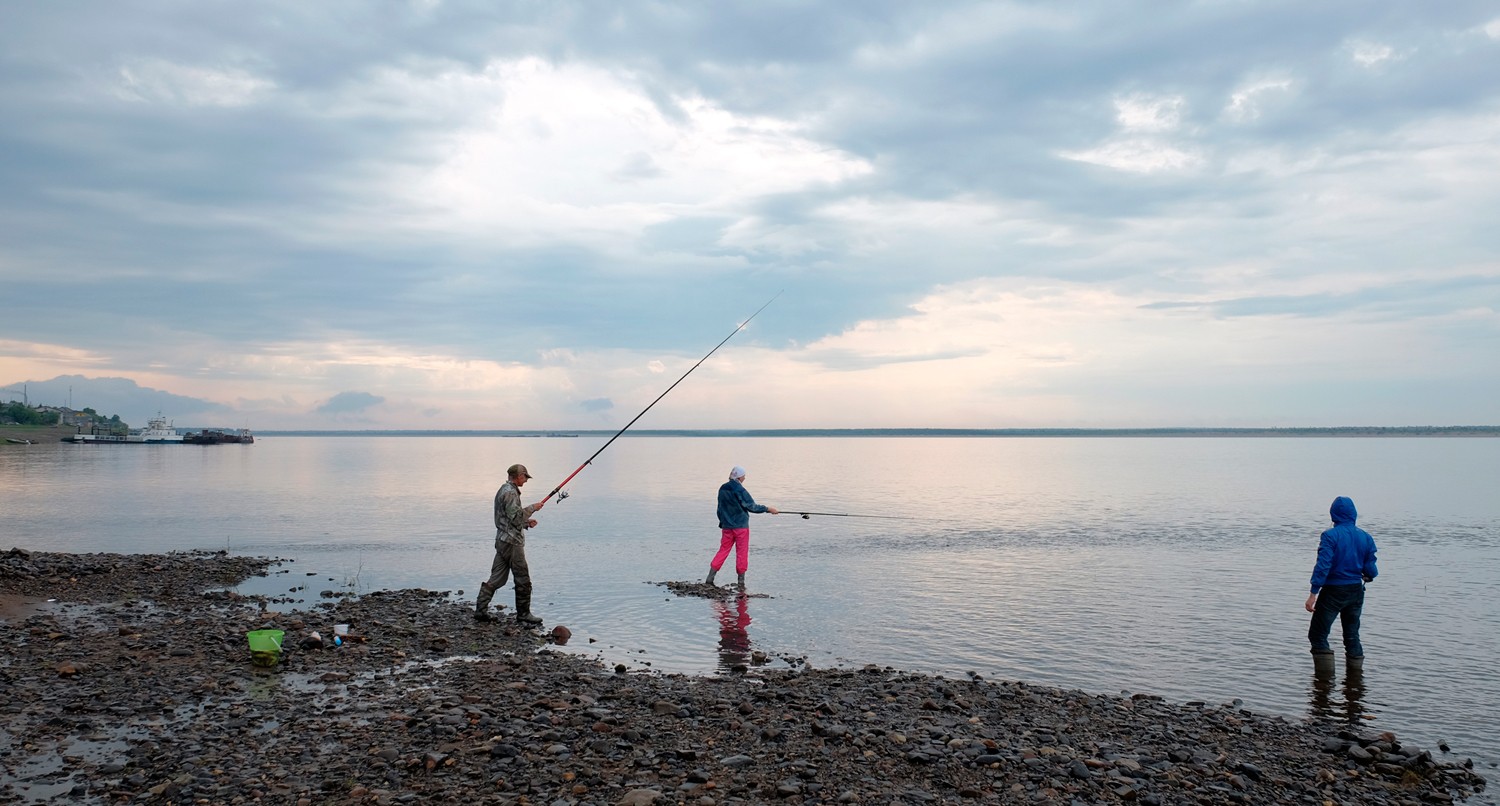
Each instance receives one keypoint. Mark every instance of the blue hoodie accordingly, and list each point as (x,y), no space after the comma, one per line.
(1346,553)
(735,505)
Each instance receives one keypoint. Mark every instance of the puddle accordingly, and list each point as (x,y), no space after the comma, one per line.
(284,589)
(17,608)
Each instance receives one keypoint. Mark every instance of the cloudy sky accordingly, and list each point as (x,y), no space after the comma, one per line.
(524,215)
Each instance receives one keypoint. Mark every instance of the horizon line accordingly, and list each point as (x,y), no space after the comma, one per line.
(1350,430)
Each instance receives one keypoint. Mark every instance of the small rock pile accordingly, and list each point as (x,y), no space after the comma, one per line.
(157,702)
(703,590)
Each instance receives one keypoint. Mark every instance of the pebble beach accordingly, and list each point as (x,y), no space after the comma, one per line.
(127,678)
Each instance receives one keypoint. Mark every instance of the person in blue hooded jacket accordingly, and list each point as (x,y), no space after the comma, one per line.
(1346,561)
(735,506)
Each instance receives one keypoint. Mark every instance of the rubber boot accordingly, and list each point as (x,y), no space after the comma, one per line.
(523,609)
(742,581)
(1354,664)
(482,604)
(1323,663)
(711,571)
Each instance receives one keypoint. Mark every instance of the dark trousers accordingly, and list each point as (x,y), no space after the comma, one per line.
(1342,602)
(510,558)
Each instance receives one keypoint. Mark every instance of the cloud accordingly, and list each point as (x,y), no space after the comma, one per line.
(597,404)
(1250,100)
(1142,145)
(587,152)
(159,81)
(1083,214)
(1369,54)
(1148,113)
(349,403)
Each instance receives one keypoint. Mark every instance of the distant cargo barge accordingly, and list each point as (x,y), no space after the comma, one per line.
(213,436)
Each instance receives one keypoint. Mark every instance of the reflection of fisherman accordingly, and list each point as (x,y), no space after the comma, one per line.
(511,522)
(735,506)
(1352,710)
(734,640)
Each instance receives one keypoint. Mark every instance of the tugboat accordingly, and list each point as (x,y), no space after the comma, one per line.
(157,432)
(219,436)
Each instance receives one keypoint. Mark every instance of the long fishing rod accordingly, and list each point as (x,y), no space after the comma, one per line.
(557,491)
(808,515)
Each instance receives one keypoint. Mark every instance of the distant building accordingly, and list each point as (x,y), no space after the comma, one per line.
(66,416)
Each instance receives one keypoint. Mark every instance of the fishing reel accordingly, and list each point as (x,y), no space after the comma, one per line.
(562,495)
(806,516)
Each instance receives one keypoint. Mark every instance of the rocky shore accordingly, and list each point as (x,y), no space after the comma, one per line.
(135,685)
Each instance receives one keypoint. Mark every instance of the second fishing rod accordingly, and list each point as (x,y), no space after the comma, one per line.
(558,490)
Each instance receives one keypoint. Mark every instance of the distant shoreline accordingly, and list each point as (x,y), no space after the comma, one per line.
(57,433)
(1341,431)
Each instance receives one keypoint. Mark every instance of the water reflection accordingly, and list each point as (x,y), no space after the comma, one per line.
(734,639)
(1347,705)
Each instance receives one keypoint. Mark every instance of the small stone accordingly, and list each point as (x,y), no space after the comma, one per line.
(639,797)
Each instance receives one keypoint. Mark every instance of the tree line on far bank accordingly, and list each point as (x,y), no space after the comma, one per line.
(22,414)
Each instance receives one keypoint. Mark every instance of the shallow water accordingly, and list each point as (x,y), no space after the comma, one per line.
(1176,566)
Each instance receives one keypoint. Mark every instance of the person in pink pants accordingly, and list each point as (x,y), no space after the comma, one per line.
(735,506)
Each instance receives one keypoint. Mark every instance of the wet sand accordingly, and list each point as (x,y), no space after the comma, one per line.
(137,685)
(13,607)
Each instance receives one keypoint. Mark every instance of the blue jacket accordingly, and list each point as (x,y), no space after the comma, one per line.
(735,505)
(1346,553)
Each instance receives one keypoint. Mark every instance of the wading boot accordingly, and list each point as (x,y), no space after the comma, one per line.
(523,610)
(742,582)
(711,572)
(482,604)
(1354,664)
(1323,663)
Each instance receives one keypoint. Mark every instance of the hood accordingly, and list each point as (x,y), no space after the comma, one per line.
(1343,510)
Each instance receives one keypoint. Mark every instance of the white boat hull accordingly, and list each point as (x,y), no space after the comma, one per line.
(157,432)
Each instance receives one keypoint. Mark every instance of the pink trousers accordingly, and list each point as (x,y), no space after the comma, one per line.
(739,540)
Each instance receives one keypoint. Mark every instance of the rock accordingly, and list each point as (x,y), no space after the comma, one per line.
(561,634)
(639,797)
(384,722)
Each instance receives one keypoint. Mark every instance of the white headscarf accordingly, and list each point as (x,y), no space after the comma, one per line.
(737,472)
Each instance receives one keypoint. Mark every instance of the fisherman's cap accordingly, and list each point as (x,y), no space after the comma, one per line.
(518,470)
(737,472)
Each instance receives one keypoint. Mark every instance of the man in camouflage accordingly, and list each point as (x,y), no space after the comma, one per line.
(511,522)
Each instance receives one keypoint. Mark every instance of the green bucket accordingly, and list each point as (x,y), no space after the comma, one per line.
(265,646)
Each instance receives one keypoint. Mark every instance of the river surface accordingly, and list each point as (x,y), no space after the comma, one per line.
(1173,566)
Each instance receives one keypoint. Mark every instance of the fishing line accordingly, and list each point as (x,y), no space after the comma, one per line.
(808,515)
(557,491)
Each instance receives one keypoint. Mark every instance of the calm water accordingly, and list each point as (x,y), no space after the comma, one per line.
(1176,566)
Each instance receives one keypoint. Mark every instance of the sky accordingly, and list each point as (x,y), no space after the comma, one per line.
(539,215)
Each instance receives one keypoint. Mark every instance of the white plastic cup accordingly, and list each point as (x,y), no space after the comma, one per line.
(341,630)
